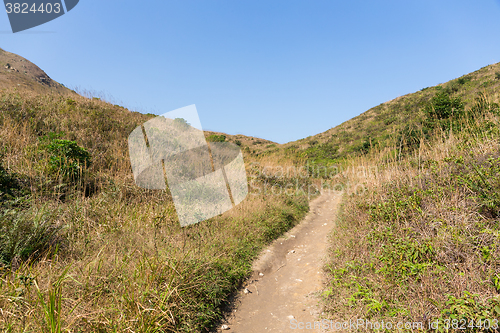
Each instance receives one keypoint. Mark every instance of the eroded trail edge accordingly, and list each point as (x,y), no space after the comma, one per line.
(288,276)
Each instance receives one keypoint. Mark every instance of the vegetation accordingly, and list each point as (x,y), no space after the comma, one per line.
(402,121)
(422,244)
(83,249)
(216,138)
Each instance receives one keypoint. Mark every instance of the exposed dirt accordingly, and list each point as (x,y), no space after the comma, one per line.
(292,276)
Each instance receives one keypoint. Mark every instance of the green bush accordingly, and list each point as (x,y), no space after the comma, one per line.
(442,106)
(67,159)
(9,184)
(463,80)
(216,138)
(181,123)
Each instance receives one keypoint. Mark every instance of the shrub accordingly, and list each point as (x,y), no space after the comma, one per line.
(181,123)
(216,138)
(463,80)
(442,106)
(9,184)
(67,159)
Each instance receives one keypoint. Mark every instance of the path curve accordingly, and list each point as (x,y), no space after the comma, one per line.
(288,276)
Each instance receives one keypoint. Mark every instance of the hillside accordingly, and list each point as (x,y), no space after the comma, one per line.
(18,72)
(419,243)
(82,248)
(387,124)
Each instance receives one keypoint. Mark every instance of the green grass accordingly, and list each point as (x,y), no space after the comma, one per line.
(422,244)
(385,125)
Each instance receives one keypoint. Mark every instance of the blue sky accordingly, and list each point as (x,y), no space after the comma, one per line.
(277,69)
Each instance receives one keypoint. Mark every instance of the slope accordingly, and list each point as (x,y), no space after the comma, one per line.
(83,248)
(387,124)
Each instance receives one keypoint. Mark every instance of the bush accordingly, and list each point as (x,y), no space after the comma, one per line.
(216,138)
(9,184)
(463,80)
(181,123)
(67,159)
(442,106)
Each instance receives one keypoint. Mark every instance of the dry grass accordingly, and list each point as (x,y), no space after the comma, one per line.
(119,262)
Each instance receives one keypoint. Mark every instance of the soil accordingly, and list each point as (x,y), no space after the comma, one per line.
(288,277)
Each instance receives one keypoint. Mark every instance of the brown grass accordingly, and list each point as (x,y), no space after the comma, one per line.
(121,261)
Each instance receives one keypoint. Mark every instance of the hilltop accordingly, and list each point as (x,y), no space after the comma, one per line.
(26,77)
(389,123)
(18,72)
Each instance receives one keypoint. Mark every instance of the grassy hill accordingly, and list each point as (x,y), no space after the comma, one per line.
(420,244)
(390,123)
(82,248)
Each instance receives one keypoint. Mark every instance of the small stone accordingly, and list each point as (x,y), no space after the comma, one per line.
(224,327)
(261,274)
(290,317)
(246,291)
(293,251)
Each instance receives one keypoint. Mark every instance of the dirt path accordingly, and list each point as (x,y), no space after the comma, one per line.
(292,276)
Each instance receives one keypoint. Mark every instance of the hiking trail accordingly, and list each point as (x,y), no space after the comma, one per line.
(287,277)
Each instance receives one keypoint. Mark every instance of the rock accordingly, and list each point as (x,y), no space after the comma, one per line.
(261,274)
(246,291)
(290,317)
(293,251)
(224,327)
